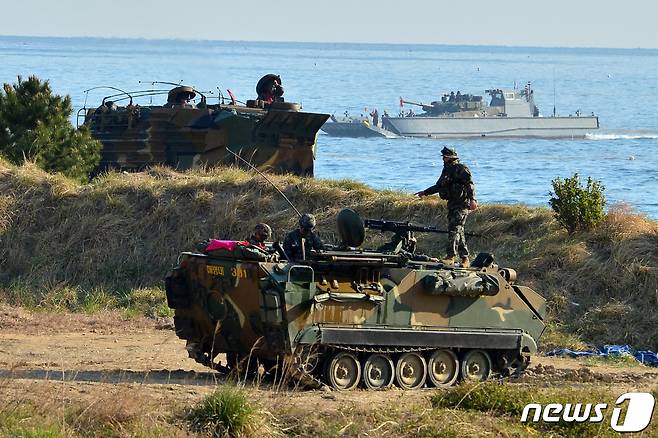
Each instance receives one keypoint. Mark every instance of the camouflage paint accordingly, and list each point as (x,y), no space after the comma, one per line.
(135,137)
(344,296)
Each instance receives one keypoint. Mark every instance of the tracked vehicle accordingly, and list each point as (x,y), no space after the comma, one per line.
(180,133)
(349,316)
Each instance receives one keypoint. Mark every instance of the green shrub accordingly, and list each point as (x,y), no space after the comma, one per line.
(227,412)
(151,302)
(22,422)
(577,207)
(36,127)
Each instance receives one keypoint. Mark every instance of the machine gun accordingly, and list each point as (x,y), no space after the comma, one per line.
(403,233)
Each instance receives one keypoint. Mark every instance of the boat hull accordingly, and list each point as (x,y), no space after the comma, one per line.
(184,138)
(355,130)
(455,127)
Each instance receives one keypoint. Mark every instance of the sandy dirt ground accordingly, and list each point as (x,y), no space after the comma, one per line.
(80,356)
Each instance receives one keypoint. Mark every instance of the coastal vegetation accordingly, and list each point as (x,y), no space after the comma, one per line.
(36,127)
(489,409)
(105,245)
(228,411)
(108,243)
(577,207)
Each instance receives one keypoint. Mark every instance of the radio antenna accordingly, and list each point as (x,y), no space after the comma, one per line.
(266,179)
(554,92)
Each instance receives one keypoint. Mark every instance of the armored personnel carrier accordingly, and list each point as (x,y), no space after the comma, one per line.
(350,316)
(272,135)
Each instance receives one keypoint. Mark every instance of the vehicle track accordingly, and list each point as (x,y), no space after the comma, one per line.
(109,350)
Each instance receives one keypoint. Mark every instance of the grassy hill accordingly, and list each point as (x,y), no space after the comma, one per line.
(110,242)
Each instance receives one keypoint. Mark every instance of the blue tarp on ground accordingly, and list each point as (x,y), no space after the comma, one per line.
(645,357)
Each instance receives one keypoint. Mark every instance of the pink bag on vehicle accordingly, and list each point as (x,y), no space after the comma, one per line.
(229,245)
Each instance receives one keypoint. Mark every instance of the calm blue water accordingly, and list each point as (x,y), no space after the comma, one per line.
(621,86)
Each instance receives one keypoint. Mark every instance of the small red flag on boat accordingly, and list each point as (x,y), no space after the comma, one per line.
(230,93)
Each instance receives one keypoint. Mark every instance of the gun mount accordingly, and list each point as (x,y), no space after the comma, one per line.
(403,238)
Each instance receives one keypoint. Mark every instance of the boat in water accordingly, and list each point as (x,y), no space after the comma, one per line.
(274,136)
(355,127)
(510,113)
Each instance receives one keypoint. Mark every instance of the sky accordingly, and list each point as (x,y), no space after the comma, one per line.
(547,23)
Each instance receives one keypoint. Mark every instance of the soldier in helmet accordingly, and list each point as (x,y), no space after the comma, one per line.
(262,232)
(180,97)
(455,185)
(269,89)
(302,237)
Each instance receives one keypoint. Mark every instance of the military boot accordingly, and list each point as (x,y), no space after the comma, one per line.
(449,261)
(465,263)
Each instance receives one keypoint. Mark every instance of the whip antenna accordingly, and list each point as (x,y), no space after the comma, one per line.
(266,179)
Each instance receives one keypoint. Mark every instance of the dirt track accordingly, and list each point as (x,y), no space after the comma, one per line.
(106,348)
(119,368)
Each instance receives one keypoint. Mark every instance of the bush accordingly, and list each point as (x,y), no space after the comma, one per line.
(227,412)
(35,126)
(577,207)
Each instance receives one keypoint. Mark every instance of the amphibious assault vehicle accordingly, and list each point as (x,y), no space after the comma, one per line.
(274,136)
(348,316)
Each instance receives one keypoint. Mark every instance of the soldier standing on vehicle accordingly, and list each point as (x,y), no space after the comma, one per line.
(299,243)
(375,117)
(455,185)
(262,232)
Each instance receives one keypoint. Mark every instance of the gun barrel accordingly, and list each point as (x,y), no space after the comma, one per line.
(399,227)
(405,227)
(408,102)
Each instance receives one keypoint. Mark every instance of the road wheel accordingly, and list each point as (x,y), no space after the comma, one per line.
(411,371)
(378,371)
(476,365)
(343,371)
(443,368)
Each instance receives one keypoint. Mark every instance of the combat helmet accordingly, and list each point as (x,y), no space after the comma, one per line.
(181,93)
(448,152)
(269,83)
(307,221)
(264,229)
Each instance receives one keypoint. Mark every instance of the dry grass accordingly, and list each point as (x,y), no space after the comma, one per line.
(69,409)
(122,232)
(20,320)
(54,410)
(508,401)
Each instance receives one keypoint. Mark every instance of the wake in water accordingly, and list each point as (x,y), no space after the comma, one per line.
(623,134)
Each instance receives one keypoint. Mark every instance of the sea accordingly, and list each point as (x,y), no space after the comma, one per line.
(618,85)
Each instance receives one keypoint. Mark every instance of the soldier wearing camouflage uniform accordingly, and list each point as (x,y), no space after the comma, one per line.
(455,185)
(262,232)
(302,237)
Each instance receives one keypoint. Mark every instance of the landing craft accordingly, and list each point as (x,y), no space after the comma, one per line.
(351,316)
(275,136)
(509,113)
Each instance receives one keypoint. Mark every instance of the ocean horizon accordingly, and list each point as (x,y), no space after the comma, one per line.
(619,85)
